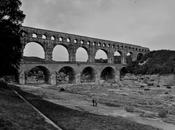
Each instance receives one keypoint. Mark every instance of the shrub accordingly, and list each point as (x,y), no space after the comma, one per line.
(142,86)
(163,113)
(62,90)
(146,89)
(150,84)
(166,93)
(129,108)
(168,87)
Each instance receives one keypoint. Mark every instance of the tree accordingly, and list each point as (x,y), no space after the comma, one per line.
(11,18)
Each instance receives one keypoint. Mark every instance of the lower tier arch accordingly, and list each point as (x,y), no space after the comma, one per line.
(37,75)
(87,75)
(108,74)
(65,75)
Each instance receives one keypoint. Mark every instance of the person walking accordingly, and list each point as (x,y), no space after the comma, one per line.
(94,102)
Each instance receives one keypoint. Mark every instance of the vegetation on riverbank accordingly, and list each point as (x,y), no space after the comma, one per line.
(154,62)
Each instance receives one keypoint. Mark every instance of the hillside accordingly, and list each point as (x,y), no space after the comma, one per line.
(32,59)
(155,62)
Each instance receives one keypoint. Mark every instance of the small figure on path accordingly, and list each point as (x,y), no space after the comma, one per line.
(94,102)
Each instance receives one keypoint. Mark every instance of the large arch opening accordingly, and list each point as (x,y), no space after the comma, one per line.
(129,58)
(123,72)
(117,57)
(60,53)
(88,75)
(101,56)
(139,56)
(37,75)
(81,55)
(108,74)
(65,75)
(33,51)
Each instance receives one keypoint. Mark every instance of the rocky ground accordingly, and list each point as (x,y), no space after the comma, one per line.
(135,98)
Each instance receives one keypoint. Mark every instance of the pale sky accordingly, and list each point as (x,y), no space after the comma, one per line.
(149,23)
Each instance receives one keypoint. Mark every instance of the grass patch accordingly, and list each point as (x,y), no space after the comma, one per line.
(17,115)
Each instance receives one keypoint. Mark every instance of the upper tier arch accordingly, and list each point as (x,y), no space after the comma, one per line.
(49,39)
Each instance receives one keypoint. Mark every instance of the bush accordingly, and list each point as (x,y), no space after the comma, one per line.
(150,84)
(166,93)
(168,87)
(142,86)
(163,113)
(62,90)
(129,108)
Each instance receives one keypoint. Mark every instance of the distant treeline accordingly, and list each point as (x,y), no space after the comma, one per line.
(154,62)
(37,59)
(32,59)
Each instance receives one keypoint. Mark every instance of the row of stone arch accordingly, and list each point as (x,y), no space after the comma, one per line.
(60,53)
(81,41)
(67,75)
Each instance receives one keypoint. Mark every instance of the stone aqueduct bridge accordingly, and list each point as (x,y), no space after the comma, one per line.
(50,39)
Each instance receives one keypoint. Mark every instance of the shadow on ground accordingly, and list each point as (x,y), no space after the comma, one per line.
(15,114)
